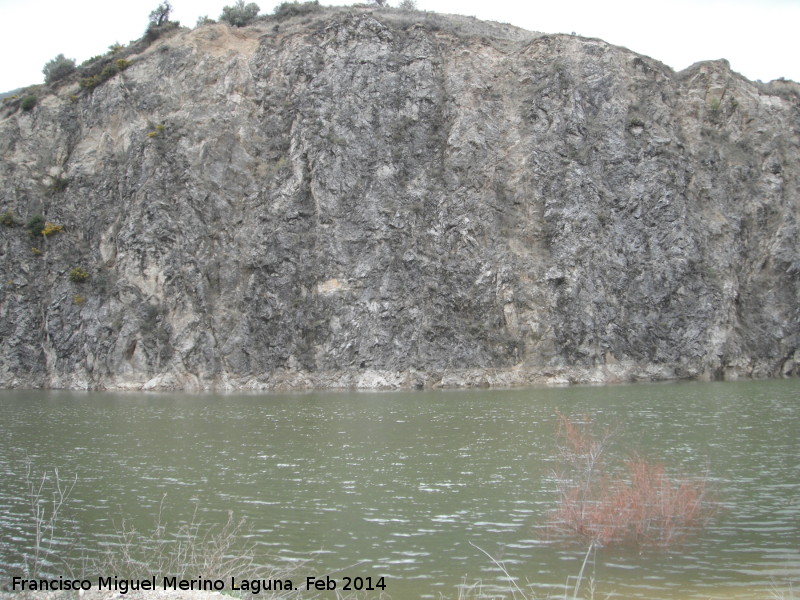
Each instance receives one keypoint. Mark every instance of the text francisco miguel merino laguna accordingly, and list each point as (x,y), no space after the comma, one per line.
(254,586)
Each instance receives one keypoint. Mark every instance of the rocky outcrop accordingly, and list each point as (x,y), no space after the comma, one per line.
(376,199)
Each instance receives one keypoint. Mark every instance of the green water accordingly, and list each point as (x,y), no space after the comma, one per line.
(402,484)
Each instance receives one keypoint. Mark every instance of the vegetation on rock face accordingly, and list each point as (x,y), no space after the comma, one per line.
(240,14)
(7,219)
(51,228)
(58,68)
(78,275)
(35,225)
(155,131)
(28,102)
(58,184)
(107,73)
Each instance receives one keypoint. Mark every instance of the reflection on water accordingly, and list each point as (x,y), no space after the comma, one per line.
(403,484)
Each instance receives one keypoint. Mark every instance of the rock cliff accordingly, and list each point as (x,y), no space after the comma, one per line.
(378,199)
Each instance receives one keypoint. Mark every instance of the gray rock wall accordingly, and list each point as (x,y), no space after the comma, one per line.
(382,199)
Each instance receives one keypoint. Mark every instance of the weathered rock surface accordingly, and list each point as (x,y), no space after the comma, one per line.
(384,199)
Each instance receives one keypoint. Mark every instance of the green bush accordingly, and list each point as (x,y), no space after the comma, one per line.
(7,219)
(78,275)
(90,83)
(107,73)
(292,9)
(635,122)
(28,102)
(36,225)
(156,130)
(89,61)
(58,68)
(58,184)
(240,14)
(154,32)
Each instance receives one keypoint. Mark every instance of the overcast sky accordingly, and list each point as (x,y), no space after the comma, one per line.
(760,38)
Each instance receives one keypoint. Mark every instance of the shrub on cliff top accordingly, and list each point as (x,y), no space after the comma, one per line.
(159,22)
(160,15)
(154,32)
(292,9)
(58,68)
(240,14)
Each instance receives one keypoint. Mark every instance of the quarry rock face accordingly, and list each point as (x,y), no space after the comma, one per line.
(381,199)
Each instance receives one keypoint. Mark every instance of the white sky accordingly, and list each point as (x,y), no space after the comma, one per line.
(760,38)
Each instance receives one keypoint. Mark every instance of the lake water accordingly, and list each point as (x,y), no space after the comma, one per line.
(401,485)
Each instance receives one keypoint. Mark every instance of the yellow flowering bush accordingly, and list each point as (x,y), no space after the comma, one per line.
(51,228)
(78,275)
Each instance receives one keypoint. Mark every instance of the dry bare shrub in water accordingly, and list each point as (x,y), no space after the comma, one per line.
(185,551)
(47,495)
(637,505)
